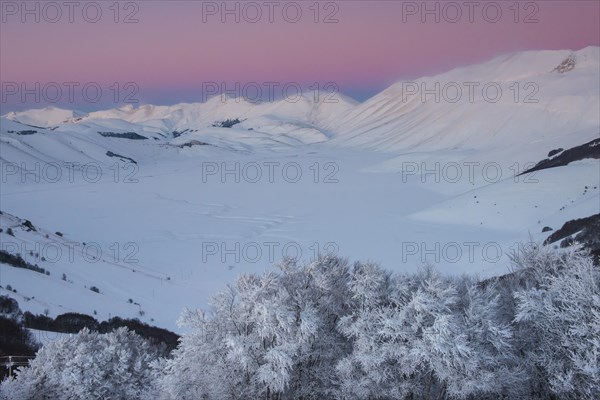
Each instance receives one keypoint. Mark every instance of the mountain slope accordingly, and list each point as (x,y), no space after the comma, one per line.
(537,103)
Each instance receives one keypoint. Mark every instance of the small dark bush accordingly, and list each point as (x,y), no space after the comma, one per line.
(27,224)
(228,123)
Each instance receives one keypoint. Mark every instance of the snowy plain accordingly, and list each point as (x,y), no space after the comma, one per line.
(399,179)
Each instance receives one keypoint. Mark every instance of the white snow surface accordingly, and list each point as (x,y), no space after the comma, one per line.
(362,192)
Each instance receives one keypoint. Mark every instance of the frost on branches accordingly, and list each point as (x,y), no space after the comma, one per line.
(266,336)
(88,365)
(330,330)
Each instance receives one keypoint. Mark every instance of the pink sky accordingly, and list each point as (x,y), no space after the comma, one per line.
(171,51)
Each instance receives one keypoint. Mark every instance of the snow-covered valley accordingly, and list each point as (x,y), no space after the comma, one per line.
(159,207)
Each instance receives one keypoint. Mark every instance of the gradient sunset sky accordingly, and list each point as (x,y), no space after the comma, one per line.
(171,51)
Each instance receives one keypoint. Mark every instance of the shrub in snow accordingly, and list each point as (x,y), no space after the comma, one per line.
(228,123)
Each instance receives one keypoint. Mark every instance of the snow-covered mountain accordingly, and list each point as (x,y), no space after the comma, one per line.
(512,100)
(388,179)
(512,104)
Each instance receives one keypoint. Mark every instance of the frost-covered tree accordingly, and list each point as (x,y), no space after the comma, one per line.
(269,336)
(365,373)
(480,361)
(392,331)
(558,311)
(424,336)
(87,365)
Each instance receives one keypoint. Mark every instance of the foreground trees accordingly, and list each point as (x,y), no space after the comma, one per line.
(266,336)
(558,324)
(327,330)
(423,336)
(87,365)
